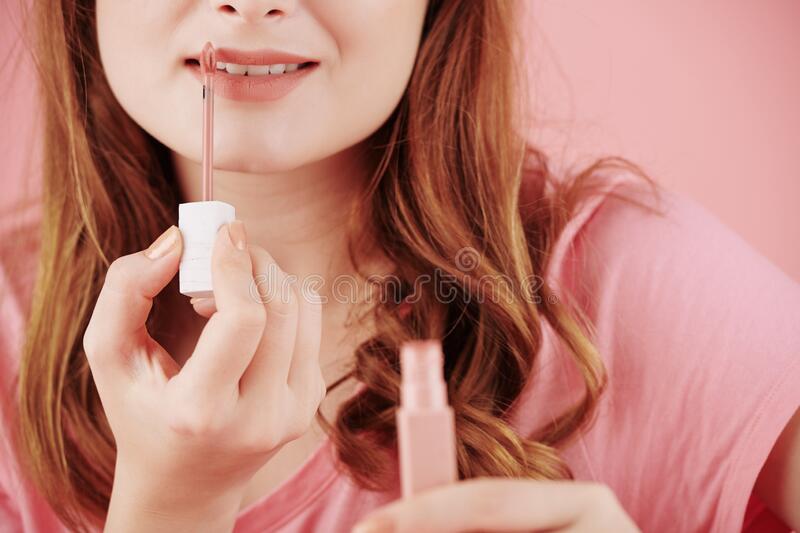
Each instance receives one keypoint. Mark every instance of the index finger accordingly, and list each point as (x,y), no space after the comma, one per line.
(117,324)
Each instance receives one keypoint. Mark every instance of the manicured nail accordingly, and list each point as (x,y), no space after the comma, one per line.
(377,524)
(165,243)
(237,233)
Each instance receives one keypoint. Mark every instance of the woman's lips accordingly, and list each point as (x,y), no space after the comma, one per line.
(264,56)
(255,88)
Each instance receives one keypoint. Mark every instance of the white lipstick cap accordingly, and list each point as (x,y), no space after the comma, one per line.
(199,223)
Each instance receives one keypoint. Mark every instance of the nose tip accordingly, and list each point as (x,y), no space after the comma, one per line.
(255,10)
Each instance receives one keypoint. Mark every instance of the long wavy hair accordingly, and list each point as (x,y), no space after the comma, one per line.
(450,173)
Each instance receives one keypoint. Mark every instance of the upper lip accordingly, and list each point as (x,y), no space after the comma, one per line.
(263,56)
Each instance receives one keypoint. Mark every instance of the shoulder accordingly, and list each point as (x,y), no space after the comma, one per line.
(19,247)
(19,244)
(698,333)
(681,274)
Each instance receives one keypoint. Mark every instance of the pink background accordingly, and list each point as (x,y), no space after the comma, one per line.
(704,95)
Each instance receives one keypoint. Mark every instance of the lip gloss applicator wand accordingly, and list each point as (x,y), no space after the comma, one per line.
(200,221)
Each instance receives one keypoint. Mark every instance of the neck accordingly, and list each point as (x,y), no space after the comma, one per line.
(300,218)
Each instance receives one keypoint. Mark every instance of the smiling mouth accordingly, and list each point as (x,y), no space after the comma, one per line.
(255,81)
(237,70)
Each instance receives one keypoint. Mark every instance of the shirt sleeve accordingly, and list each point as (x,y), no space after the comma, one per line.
(700,336)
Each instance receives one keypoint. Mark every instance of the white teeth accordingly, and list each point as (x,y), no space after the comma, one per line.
(233,68)
(256,70)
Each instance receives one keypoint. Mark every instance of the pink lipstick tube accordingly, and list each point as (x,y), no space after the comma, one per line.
(425,421)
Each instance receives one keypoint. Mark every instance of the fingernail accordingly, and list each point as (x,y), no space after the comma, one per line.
(237,233)
(202,300)
(377,524)
(165,243)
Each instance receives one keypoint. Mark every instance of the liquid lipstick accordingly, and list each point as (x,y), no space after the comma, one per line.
(208,68)
(200,221)
(425,421)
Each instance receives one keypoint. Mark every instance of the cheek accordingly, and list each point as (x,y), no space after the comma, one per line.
(116,50)
(378,44)
(134,41)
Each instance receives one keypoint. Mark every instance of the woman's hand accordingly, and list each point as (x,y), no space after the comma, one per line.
(503,504)
(188,439)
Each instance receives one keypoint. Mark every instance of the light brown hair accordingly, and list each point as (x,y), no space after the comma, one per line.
(450,174)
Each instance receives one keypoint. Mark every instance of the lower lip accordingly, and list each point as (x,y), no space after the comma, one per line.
(255,88)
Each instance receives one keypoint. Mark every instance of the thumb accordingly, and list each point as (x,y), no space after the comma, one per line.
(117,325)
(204,306)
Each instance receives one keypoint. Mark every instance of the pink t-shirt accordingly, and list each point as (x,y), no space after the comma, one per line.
(699,334)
